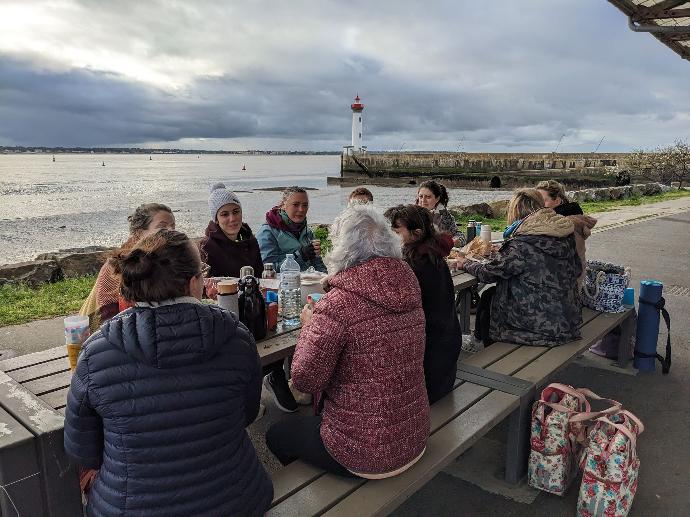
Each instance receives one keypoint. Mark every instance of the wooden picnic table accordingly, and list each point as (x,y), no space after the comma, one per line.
(47,374)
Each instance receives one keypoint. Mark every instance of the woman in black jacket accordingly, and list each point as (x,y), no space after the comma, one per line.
(425,249)
(162,394)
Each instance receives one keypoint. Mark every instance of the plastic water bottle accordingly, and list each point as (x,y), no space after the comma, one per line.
(289,292)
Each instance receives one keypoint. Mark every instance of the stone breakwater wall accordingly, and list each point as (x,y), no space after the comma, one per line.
(78,262)
(478,169)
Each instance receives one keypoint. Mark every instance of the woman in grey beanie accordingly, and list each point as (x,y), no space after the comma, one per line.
(229,243)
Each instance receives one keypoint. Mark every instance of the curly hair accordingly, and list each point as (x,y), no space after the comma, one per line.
(363,234)
(143,215)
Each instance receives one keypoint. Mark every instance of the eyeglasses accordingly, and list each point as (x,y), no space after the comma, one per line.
(205,268)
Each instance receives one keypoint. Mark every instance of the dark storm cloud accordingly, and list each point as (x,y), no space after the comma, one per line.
(499,75)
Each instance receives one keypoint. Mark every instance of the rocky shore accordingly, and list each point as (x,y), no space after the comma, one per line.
(77,262)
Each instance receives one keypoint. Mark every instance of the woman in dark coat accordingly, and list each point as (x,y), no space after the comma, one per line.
(229,243)
(162,394)
(425,249)
(536,270)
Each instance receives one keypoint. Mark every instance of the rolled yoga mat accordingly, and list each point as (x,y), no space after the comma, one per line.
(647,326)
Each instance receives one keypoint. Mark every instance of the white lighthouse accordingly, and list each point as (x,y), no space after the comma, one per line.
(357,108)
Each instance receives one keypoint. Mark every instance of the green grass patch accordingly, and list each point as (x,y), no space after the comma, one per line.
(591,207)
(21,304)
(497,225)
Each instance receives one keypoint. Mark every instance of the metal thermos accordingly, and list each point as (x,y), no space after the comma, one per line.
(471,230)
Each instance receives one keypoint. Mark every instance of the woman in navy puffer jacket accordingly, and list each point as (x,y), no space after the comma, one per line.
(162,394)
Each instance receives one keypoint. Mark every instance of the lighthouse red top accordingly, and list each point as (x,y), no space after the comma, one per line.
(357,106)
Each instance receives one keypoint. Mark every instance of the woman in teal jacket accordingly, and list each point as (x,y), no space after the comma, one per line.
(286,231)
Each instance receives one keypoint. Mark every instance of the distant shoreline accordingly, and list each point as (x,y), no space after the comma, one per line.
(143,150)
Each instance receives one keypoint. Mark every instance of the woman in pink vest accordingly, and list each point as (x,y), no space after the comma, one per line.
(363,348)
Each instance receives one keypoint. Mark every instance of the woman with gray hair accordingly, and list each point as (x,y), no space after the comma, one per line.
(362,347)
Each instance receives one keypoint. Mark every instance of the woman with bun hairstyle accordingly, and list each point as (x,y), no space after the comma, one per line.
(286,231)
(229,243)
(434,197)
(162,394)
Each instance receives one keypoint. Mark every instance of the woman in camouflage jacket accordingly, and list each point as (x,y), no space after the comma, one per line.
(535,271)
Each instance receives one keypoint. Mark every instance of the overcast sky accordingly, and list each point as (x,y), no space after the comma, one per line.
(495,75)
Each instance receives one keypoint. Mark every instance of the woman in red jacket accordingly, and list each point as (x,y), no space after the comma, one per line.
(363,347)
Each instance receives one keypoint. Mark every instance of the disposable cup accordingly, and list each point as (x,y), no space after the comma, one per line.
(76,332)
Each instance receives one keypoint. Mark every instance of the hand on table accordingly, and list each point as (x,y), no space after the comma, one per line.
(460,262)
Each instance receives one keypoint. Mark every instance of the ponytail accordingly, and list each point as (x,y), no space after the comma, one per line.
(438,189)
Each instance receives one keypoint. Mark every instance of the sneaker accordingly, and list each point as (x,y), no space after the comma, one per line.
(282,396)
(471,344)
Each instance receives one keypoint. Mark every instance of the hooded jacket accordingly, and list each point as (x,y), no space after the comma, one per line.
(225,256)
(536,274)
(583,225)
(159,403)
(276,241)
(364,348)
(442,329)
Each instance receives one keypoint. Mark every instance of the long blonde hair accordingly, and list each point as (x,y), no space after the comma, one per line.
(554,189)
(524,202)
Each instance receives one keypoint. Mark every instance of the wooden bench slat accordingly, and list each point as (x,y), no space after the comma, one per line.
(29,360)
(490,355)
(40,370)
(291,478)
(556,358)
(55,399)
(517,359)
(317,496)
(380,497)
(588,315)
(49,383)
(453,404)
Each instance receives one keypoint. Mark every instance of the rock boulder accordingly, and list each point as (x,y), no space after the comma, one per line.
(33,273)
(73,265)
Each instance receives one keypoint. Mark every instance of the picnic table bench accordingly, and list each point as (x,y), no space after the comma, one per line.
(498,382)
(491,385)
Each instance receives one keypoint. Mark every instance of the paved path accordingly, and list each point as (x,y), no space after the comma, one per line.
(657,248)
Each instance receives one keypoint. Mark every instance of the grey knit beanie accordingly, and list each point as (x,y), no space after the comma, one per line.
(220,196)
